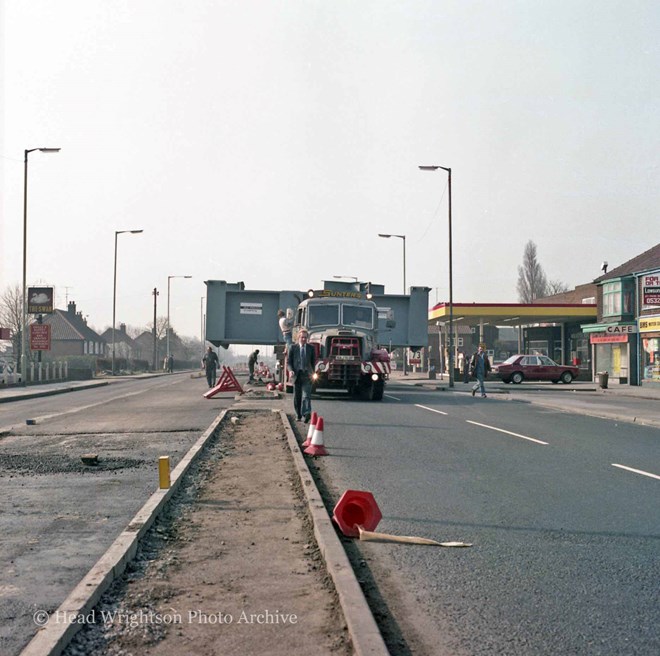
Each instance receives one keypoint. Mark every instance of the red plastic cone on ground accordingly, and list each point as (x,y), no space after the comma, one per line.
(316,448)
(356,508)
(311,429)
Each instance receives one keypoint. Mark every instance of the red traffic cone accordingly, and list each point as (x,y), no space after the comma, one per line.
(311,429)
(316,448)
(356,508)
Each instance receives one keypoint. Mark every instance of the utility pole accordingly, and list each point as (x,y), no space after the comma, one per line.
(155,295)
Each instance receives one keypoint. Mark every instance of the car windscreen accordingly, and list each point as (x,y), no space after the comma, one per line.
(357,316)
(322,314)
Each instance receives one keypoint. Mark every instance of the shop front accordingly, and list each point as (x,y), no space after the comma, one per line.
(613,347)
(649,335)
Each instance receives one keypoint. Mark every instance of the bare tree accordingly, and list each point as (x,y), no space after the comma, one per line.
(532,281)
(557,287)
(11,314)
(161,327)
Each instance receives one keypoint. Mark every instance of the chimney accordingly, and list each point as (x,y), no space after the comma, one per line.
(122,328)
(71,308)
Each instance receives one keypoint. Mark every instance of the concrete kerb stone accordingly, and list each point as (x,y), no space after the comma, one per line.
(53,638)
(365,635)
(24,396)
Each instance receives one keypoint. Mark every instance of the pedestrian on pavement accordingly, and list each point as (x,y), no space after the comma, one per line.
(285,327)
(252,361)
(479,368)
(210,362)
(170,364)
(301,360)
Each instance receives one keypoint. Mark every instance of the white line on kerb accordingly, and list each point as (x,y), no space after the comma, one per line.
(440,412)
(636,471)
(501,430)
(389,396)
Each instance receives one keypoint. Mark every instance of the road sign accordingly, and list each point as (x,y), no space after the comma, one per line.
(39,337)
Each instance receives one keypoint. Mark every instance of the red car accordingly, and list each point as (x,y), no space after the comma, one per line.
(534,367)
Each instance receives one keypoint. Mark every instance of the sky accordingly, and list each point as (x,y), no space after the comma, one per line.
(271,141)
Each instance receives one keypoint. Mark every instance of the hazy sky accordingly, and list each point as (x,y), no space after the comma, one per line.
(270,142)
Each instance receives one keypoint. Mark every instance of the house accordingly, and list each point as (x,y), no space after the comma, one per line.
(125,346)
(70,334)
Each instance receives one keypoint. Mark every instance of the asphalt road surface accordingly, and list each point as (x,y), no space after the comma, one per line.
(562,509)
(57,517)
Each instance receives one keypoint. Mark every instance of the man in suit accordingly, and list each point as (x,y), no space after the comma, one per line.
(301,360)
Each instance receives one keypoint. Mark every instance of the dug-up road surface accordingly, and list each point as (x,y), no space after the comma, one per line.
(231,567)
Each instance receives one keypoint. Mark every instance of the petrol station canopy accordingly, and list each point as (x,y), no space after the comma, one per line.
(513,314)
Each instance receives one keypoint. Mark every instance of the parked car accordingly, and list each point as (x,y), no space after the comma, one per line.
(534,367)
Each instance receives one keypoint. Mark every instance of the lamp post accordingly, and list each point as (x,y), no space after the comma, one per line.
(114,293)
(24,308)
(403,238)
(155,294)
(451,287)
(201,321)
(168,311)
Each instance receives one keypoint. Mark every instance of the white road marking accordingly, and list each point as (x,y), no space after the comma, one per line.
(501,430)
(636,471)
(440,412)
(389,396)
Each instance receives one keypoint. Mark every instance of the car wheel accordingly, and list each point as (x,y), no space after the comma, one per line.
(517,378)
(567,378)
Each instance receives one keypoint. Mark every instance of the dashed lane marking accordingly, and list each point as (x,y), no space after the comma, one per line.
(389,396)
(440,412)
(501,430)
(636,471)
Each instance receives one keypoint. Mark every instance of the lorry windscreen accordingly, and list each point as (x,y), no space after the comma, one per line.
(357,316)
(323,314)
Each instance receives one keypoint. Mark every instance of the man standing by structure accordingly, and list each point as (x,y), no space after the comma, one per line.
(300,361)
(285,326)
(479,368)
(210,362)
(252,361)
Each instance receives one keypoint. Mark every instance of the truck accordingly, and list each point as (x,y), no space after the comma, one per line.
(343,330)
(353,328)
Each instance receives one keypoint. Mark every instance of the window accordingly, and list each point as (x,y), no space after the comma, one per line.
(612,298)
(358,316)
(323,315)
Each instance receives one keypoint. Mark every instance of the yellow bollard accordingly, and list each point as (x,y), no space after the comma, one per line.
(164,472)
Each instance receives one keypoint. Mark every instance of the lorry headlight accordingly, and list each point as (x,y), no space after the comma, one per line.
(315,376)
(374,377)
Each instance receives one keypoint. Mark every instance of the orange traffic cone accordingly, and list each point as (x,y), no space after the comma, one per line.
(311,429)
(316,448)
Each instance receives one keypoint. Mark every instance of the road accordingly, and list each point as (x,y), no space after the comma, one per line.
(58,517)
(566,544)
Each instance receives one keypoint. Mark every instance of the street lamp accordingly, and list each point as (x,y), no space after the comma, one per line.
(168,311)
(451,287)
(403,238)
(24,309)
(114,293)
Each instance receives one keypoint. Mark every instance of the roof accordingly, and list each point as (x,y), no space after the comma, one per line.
(120,336)
(68,326)
(646,261)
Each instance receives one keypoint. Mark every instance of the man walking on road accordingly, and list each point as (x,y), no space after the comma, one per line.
(479,368)
(210,362)
(301,360)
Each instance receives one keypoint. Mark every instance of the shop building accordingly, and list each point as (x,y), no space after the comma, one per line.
(624,339)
